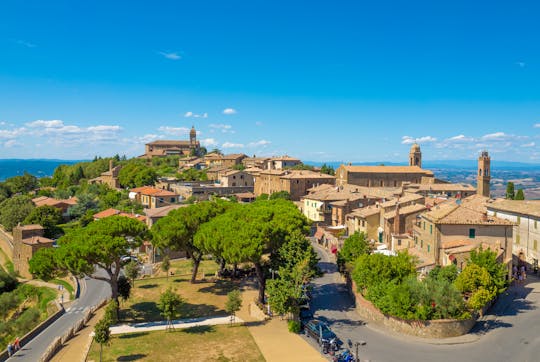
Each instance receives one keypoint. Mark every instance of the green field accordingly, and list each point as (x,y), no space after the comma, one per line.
(204,343)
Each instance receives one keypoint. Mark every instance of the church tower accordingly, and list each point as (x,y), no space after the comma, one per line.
(193,137)
(415,156)
(484,174)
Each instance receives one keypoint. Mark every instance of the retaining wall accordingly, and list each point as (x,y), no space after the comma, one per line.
(440,328)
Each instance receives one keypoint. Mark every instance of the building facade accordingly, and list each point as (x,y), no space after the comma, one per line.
(162,148)
(27,240)
(295,182)
(484,174)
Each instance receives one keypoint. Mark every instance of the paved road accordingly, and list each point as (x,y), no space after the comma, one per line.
(510,333)
(92,293)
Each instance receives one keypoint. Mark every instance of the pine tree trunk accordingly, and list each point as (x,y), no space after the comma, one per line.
(100,351)
(196,262)
(262,281)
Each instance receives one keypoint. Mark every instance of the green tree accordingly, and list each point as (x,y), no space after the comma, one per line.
(102,243)
(136,173)
(372,269)
(354,246)
(480,298)
(176,231)
(14,210)
(111,312)
(102,335)
(520,195)
(284,195)
(48,217)
(166,265)
(169,305)
(132,271)
(251,232)
(472,278)
(234,303)
(124,287)
(86,202)
(510,191)
(448,273)
(329,170)
(22,184)
(497,271)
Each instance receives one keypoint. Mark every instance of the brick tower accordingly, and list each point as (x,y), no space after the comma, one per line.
(484,174)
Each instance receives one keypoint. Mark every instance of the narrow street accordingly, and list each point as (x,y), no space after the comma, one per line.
(510,332)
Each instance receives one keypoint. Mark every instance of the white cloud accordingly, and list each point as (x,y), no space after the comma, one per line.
(171,55)
(47,124)
(11,143)
(103,128)
(460,138)
(148,138)
(530,144)
(537,125)
(232,145)
(261,143)
(258,124)
(195,115)
(493,136)
(229,111)
(407,140)
(176,131)
(521,64)
(225,128)
(24,43)
(209,142)
(8,134)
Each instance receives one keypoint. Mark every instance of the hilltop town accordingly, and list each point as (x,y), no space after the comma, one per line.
(181,210)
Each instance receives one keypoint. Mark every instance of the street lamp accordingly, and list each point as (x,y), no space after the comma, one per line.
(357,344)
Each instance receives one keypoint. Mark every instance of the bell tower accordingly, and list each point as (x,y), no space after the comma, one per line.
(415,156)
(193,137)
(484,174)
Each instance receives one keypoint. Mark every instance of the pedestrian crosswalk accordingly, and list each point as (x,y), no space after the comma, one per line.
(76,310)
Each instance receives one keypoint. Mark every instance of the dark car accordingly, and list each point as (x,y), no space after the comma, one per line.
(305,316)
(317,329)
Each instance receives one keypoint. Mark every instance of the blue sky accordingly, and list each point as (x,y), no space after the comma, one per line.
(320,80)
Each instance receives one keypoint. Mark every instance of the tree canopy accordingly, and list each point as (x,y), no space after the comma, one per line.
(48,217)
(102,243)
(14,210)
(354,246)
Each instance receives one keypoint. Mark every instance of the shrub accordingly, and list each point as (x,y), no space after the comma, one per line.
(294,326)
(480,298)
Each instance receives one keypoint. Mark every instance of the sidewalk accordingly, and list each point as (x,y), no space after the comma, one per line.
(179,324)
(274,339)
(75,349)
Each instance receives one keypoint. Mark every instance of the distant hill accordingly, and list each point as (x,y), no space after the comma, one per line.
(36,167)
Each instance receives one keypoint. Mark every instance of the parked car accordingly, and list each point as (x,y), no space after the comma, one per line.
(305,316)
(127,258)
(317,329)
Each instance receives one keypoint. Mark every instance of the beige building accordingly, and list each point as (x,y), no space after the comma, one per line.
(234,178)
(282,162)
(446,190)
(27,240)
(525,214)
(162,148)
(295,182)
(109,178)
(365,220)
(465,223)
(484,174)
(231,160)
(153,215)
(256,162)
(382,176)
(151,197)
(214,173)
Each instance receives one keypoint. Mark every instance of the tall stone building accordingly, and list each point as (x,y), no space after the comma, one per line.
(415,156)
(27,240)
(173,147)
(484,174)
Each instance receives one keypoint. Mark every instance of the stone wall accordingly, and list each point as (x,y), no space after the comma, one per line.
(442,328)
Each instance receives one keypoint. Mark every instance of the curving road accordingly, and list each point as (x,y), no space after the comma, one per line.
(511,332)
(92,293)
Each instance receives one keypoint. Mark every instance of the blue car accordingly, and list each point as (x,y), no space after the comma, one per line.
(317,329)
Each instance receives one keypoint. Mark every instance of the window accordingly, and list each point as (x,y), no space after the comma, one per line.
(173,199)
(535,245)
(495,214)
(422,244)
(424,225)
(428,248)
(519,220)
(399,242)
(431,228)
(518,239)
(472,233)
(536,224)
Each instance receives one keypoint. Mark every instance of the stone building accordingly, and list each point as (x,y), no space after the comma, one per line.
(231,160)
(465,223)
(295,182)
(484,174)
(525,214)
(162,148)
(151,197)
(109,178)
(27,240)
(415,156)
(233,178)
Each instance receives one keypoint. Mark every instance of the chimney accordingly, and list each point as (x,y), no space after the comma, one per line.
(110,165)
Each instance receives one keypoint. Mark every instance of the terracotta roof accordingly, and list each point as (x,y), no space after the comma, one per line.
(234,156)
(403,199)
(470,211)
(387,169)
(411,209)
(306,174)
(245,195)
(524,207)
(35,240)
(161,211)
(345,192)
(284,158)
(106,213)
(152,191)
(30,227)
(445,187)
(49,201)
(170,143)
(455,243)
(365,212)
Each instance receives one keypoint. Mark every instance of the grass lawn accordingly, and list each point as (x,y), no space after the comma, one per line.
(202,299)
(204,343)
(183,267)
(67,285)
(6,262)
